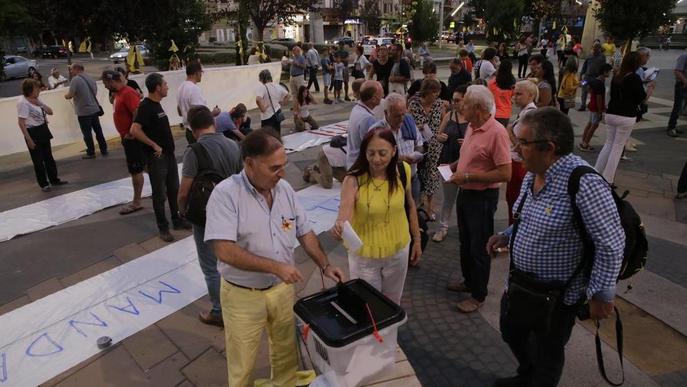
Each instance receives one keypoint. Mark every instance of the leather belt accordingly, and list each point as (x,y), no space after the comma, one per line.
(249,288)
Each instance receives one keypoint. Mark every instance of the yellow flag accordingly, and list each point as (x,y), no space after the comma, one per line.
(173,47)
(82,46)
(554,25)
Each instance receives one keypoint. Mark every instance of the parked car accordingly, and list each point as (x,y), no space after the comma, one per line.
(17,67)
(369,43)
(448,36)
(122,53)
(51,52)
(346,40)
(288,42)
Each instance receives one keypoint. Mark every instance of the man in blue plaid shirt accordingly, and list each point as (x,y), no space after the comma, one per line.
(547,245)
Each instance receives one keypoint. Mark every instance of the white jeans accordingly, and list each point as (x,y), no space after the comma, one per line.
(388,275)
(618,129)
(450,195)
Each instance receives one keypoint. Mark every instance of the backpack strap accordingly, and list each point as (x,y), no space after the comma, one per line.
(588,257)
(202,156)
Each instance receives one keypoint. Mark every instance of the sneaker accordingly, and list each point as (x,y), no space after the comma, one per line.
(347,99)
(166,236)
(440,235)
(631,147)
(328,101)
(625,158)
(46,188)
(681,195)
(105,153)
(306,175)
(210,319)
(456,286)
(469,305)
(87,157)
(672,133)
(60,182)
(181,224)
(581,109)
(584,148)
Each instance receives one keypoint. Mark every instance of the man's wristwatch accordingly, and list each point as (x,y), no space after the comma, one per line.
(466,177)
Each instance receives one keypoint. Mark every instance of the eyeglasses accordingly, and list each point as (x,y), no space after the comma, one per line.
(523,142)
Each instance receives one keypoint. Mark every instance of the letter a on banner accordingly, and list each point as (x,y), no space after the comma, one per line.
(159,293)
(44,337)
(100,323)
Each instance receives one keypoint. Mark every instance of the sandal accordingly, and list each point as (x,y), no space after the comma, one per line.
(129,208)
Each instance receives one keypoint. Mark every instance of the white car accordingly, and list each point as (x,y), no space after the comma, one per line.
(16,66)
(120,56)
(369,43)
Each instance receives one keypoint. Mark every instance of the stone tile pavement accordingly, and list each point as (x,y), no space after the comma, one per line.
(440,347)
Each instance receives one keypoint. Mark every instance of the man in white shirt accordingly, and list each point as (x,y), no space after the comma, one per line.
(312,58)
(56,80)
(189,95)
(362,118)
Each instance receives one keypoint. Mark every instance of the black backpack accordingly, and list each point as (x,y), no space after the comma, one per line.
(634,256)
(636,244)
(205,181)
(422,216)
(339,141)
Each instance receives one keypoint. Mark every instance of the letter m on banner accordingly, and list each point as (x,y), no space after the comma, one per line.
(170,289)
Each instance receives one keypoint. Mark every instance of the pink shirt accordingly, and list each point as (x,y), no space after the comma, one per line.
(484,149)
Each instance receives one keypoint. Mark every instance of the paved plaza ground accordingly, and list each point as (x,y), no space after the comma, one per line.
(439,346)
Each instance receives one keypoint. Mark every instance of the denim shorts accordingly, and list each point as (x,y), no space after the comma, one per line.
(327,79)
(595,118)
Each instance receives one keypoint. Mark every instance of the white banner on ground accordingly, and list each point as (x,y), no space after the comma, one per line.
(49,336)
(74,205)
(222,86)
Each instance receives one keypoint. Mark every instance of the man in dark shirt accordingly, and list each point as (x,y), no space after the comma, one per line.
(590,70)
(343,54)
(151,127)
(459,76)
(400,71)
(429,69)
(381,67)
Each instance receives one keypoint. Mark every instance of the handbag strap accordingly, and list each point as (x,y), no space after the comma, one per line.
(270,97)
(89,89)
(619,344)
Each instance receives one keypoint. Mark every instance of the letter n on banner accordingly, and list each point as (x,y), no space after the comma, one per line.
(158,299)
(100,323)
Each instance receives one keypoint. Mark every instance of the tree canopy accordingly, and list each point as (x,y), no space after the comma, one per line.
(424,25)
(503,18)
(628,19)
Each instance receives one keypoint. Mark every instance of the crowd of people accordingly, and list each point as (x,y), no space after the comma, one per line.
(403,134)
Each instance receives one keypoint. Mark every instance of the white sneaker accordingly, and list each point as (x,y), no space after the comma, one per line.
(440,235)
(630,147)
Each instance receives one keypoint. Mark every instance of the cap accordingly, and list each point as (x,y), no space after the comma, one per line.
(112,75)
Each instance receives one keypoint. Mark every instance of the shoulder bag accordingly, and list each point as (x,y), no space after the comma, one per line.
(278,115)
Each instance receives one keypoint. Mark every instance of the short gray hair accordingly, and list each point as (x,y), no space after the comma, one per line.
(530,87)
(481,96)
(644,50)
(394,98)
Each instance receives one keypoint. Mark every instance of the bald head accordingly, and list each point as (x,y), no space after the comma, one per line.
(371,93)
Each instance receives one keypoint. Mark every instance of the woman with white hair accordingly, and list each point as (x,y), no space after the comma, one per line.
(269,98)
(524,95)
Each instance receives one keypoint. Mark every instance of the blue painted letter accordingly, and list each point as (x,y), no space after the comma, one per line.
(159,293)
(131,308)
(56,347)
(100,323)
(3,367)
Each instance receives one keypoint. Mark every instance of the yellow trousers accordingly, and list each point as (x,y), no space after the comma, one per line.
(246,314)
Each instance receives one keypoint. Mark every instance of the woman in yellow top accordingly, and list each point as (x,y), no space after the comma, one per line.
(374,201)
(569,84)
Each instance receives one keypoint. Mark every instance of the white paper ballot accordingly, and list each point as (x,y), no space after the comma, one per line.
(445,171)
(351,238)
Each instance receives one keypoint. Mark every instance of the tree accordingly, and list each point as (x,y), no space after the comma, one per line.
(629,19)
(263,12)
(372,16)
(14,18)
(503,17)
(424,24)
